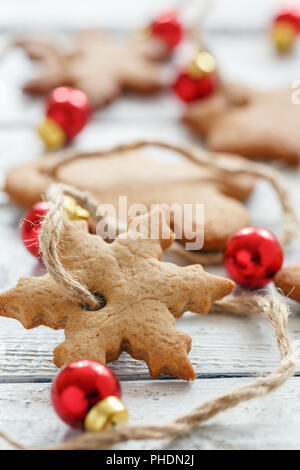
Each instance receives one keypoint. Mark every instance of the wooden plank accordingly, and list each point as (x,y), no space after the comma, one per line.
(21,145)
(65,14)
(221,346)
(271,423)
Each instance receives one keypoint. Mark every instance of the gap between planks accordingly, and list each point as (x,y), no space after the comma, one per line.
(39,379)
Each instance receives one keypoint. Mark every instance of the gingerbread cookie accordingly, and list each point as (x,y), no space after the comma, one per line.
(139,298)
(288,281)
(99,65)
(143,180)
(258,125)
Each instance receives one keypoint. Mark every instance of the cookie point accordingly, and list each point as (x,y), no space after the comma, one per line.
(189,374)
(220,287)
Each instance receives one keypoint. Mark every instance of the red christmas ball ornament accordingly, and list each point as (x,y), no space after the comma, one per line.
(31,226)
(189,89)
(31,223)
(68,111)
(290,16)
(198,80)
(79,387)
(252,257)
(168,28)
(285,28)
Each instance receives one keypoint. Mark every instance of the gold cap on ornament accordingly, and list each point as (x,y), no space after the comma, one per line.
(73,211)
(106,414)
(202,64)
(283,34)
(51,133)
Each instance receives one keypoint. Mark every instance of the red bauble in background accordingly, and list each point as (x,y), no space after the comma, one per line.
(285,29)
(79,386)
(31,226)
(290,16)
(198,80)
(31,223)
(189,89)
(68,111)
(252,257)
(168,28)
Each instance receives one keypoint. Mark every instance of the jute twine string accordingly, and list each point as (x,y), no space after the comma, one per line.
(196,31)
(215,161)
(50,237)
(276,311)
(272,308)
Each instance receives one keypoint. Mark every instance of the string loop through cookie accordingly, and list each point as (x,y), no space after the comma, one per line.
(50,237)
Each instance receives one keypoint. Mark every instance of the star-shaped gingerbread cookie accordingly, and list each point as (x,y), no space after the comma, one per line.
(139,299)
(288,281)
(99,65)
(258,125)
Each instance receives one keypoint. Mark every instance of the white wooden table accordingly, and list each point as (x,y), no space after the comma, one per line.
(227,351)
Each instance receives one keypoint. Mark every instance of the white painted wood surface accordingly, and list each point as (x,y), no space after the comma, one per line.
(26,413)
(119,15)
(226,350)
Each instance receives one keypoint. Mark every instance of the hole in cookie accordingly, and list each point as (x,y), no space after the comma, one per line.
(101,301)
